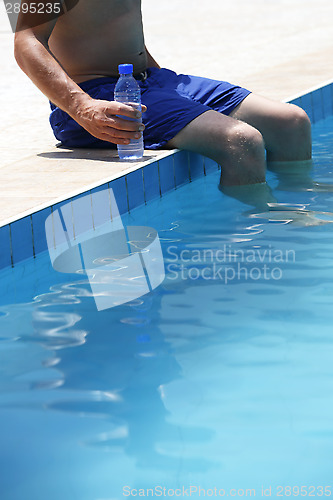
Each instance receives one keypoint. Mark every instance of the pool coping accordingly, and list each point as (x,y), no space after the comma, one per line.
(23,236)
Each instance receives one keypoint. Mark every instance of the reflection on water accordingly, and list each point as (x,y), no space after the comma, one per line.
(219,377)
(109,365)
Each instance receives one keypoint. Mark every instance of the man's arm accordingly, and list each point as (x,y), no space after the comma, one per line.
(97,116)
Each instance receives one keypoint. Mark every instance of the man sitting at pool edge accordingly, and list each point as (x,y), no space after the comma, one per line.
(73,59)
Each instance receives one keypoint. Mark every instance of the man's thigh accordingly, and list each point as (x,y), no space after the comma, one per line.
(203,133)
(208,134)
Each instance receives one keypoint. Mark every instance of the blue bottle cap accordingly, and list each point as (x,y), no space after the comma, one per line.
(125,69)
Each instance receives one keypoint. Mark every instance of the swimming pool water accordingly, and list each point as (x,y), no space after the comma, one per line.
(222,377)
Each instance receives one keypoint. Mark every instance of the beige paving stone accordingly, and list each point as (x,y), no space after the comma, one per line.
(21,204)
(273,47)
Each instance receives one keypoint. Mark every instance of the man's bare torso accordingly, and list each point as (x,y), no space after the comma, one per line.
(95,36)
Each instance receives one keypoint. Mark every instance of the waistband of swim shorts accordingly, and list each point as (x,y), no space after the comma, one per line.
(109,79)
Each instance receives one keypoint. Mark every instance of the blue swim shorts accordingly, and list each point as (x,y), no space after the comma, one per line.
(172,102)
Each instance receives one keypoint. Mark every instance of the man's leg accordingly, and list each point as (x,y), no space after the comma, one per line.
(238,147)
(286,128)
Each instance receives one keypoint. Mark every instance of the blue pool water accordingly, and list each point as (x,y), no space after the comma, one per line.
(222,377)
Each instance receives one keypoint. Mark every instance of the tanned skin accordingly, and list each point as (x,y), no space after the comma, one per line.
(88,41)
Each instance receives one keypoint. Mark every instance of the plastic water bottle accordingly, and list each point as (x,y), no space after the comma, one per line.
(127,91)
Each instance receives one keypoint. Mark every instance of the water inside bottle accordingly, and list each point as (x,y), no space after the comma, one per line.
(135,149)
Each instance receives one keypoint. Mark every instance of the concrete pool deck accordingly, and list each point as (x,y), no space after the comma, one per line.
(275,48)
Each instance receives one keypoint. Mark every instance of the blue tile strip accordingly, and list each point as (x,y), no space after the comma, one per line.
(182,174)
(25,238)
(5,250)
(22,246)
(120,192)
(135,189)
(167,176)
(196,165)
(210,165)
(317,105)
(306,104)
(327,93)
(151,181)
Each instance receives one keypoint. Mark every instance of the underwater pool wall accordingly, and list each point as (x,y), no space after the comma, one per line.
(25,237)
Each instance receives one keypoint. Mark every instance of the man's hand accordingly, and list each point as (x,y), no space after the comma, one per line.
(100,118)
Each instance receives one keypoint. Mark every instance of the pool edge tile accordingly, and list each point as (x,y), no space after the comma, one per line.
(306,104)
(22,239)
(181,168)
(317,105)
(327,96)
(210,165)
(166,172)
(135,189)
(38,228)
(196,165)
(151,182)
(119,188)
(5,247)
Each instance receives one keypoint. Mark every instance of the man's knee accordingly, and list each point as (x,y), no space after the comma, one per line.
(294,133)
(244,156)
(296,123)
(246,140)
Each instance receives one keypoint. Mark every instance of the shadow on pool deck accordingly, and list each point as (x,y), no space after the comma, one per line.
(105,155)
